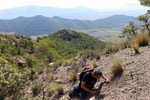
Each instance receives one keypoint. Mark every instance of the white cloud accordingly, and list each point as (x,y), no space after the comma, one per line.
(4,4)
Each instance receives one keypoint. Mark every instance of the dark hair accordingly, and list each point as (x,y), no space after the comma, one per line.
(97,72)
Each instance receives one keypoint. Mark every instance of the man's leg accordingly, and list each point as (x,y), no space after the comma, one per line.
(83,94)
(75,91)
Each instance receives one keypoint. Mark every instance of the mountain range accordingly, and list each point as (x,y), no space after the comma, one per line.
(72,13)
(38,25)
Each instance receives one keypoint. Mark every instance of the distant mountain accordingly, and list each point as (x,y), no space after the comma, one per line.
(130,7)
(71,13)
(38,25)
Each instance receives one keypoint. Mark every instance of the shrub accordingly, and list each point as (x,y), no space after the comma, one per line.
(73,61)
(65,63)
(109,49)
(50,76)
(97,54)
(29,62)
(141,39)
(56,65)
(37,87)
(112,48)
(94,63)
(38,68)
(72,76)
(12,80)
(116,67)
(56,88)
(124,44)
(50,92)
(135,46)
(87,54)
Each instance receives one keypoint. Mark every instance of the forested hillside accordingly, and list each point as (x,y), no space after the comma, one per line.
(22,59)
(69,43)
(39,25)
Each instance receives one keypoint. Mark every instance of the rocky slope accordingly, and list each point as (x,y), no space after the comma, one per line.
(133,84)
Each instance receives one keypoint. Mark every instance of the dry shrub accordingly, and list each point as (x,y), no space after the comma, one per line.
(86,54)
(69,62)
(116,68)
(37,87)
(97,54)
(50,76)
(73,61)
(72,76)
(50,92)
(56,88)
(94,63)
(135,46)
(141,39)
(123,45)
(108,49)
(113,48)
(66,63)
(56,65)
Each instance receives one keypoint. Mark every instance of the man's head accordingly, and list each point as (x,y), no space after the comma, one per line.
(97,73)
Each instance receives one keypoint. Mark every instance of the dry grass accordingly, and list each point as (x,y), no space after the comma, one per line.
(97,54)
(116,67)
(94,63)
(66,63)
(86,54)
(37,87)
(135,46)
(72,76)
(69,62)
(113,48)
(50,76)
(56,88)
(141,39)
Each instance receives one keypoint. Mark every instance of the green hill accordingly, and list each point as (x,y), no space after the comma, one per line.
(22,59)
(39,25)
(69,42)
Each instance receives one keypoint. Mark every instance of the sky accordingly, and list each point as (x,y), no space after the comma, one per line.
(98,4)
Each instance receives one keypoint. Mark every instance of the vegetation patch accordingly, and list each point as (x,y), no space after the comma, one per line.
(116,67)
(141,39)
(135,46)
(37,87)
(94,63)
(56,88)
(98,55)
(72,75)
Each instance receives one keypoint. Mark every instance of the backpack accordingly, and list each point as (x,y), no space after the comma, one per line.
(84,71)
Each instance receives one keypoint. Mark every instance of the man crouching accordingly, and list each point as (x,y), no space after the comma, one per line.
(86,85)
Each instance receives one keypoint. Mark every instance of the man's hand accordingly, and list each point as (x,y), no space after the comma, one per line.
(94,93)
(107,80)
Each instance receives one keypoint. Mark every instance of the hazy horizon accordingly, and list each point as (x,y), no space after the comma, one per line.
(96,4)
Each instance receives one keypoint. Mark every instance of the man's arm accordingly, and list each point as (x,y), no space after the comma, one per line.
(107,80)
(86,89)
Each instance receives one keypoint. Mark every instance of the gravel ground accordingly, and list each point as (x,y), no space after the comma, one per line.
(133,84)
